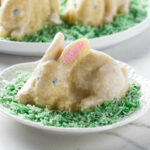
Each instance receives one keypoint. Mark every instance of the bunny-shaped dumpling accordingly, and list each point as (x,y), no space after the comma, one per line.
(94,12)
(19,18)
(74,78)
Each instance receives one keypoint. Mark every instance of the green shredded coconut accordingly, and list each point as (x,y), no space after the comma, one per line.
(111,112)
(137,13)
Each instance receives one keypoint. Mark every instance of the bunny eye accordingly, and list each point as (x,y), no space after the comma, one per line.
(16,11)
(95,7)
(55,80)
(37,78)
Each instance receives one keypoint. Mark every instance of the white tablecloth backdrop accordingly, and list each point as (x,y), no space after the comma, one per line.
(135,136)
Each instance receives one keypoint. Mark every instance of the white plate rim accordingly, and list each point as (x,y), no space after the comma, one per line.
(29,66)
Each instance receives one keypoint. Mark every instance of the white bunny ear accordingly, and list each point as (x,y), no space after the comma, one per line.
(75,51)
(55,49)
(55,17)
(1,2)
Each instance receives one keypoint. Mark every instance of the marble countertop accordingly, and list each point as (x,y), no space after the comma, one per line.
(134,136)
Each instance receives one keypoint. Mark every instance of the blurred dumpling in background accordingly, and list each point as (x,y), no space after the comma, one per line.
(94,12)
(19,18)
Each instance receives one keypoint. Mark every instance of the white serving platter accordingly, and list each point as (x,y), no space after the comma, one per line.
(101,43)
(8,74)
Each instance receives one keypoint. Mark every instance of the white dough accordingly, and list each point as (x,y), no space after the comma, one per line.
(94,12)
(74,77)
(19,18)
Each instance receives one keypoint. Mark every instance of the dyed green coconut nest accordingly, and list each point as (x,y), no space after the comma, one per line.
(109,113)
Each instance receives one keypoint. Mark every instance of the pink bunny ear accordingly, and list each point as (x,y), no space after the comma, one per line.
(55,49)
(76,51)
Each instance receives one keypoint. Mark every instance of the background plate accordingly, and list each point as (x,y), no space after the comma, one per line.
(101,43)
(8,74)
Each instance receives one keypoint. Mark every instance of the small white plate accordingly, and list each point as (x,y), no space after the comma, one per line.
(8,74)
(101,43)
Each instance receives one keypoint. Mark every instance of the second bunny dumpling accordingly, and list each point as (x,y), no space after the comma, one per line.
(19,18)
(94,12)
(74,78)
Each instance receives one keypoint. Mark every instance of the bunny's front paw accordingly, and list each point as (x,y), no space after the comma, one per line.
(90,102)
(17,34)
(108,19)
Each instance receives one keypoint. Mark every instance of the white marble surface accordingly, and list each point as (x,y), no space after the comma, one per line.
(135,136)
